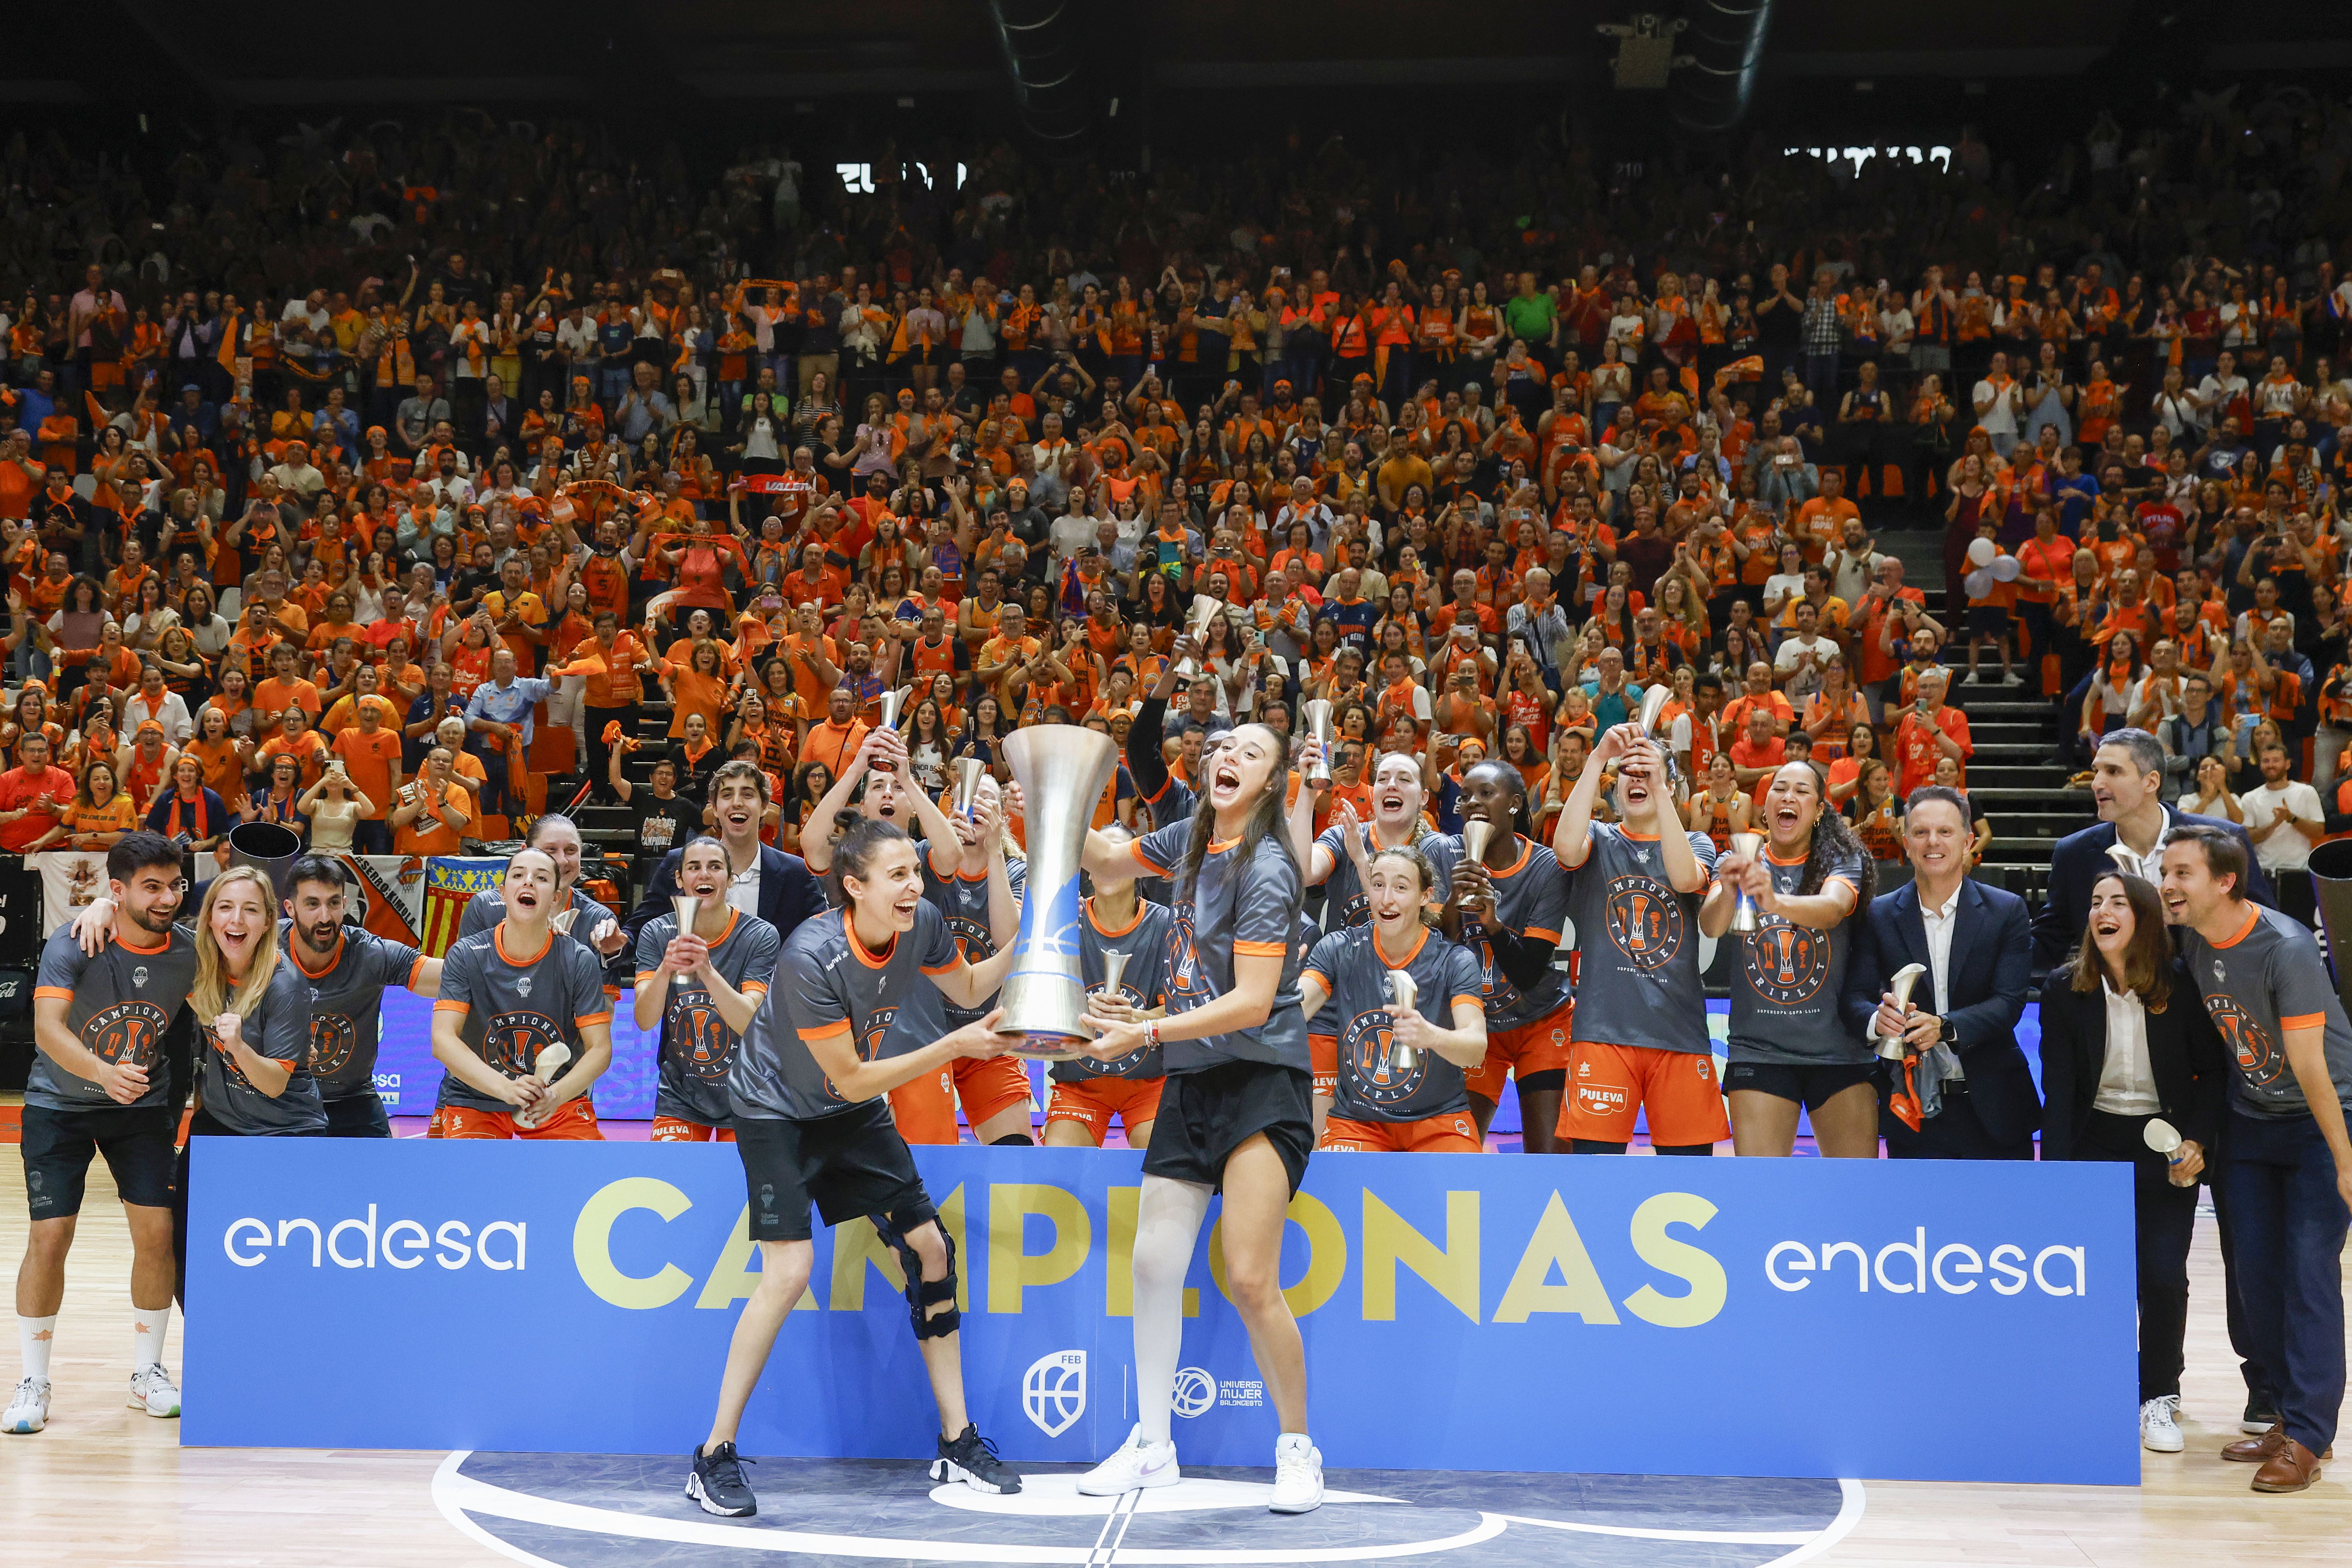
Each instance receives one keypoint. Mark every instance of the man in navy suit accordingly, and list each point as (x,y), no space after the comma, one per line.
(1978,947)
(2126,776)
(786,892)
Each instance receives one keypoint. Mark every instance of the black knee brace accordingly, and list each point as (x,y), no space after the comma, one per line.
(923,1294)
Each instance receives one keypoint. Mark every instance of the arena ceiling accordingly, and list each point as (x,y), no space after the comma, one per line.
(688,53)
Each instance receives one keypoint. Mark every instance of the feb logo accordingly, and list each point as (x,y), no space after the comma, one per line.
(1366,1043)
(333,1037)
(1053,1391)
(1786,963)
(1645,922)
(2249,1043)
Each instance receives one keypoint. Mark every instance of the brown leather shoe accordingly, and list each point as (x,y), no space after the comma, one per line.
(2258,1450)
(2291,1470)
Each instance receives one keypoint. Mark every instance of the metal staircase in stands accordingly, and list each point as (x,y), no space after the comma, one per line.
(2018,776)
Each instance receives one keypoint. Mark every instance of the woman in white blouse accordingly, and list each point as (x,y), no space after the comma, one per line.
(2125,1044)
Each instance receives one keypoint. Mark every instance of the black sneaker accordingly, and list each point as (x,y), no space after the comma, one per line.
(716,1481)
(972,1460)
(2262,1413)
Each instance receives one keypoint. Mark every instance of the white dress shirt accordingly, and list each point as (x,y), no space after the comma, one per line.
(1939,924)
(2126,1079)
(2151,865)
(743,889)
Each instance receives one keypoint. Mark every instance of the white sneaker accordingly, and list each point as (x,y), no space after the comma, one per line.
(153,1390)
(28,1410)
(1136,1465)
(1297,1475)
(2159,1431)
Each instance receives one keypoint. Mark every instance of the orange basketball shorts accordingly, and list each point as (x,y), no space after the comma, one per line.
(925,1107)
(1679,1091)
(1091,1102)
(575,1121)
(1452,1132)
(1540,1046)
(678,1129)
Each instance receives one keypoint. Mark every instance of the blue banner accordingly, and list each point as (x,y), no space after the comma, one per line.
(1912,1320)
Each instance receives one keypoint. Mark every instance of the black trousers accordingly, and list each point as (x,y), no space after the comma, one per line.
(2163,1216)
(1954,1132)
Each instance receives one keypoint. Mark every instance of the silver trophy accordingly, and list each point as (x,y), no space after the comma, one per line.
(890,701)
(967,786)
(2163,1137)
(687,906)
(1654,703)
(1746,917)
(1318,714)
(1114,970)
(1062,770)
(2125,861)
(544,1067)
(1206,607)
(1403,1058)
(1905,978)
(1476,832)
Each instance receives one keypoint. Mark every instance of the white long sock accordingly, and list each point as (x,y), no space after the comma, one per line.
(147,1336)
(1168,1221)
(34,1337)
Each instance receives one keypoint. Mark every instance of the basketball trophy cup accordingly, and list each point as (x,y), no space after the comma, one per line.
(1746,917)
(1062,770)
(967,786)
(1206,607)
(1318,714)
(687,906)
(1654,703)
(1403,1058)
(1890,1047)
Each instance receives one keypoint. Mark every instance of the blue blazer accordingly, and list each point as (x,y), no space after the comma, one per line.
(788,893)
(2081,860)
(1991,980)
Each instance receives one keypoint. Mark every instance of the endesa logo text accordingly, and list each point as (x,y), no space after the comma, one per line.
(362,1243)
(1910,1268)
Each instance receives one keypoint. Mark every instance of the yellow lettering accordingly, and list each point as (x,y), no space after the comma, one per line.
(592,1243)
(732,1278)
(1118,1272)
(855,1244)
(1011,1269)
(1680,1259)
(1452,1273)
(1555,1241)
(1327,1256)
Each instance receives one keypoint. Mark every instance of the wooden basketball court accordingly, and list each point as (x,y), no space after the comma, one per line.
(107,1485)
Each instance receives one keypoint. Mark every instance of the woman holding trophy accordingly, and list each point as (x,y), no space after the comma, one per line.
(805,1093)
(1123,959)
(1508,906)
(1400,1087)
(1785,895)
(683,960)
(1640,1040)
(876,784)
(1235,1115)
